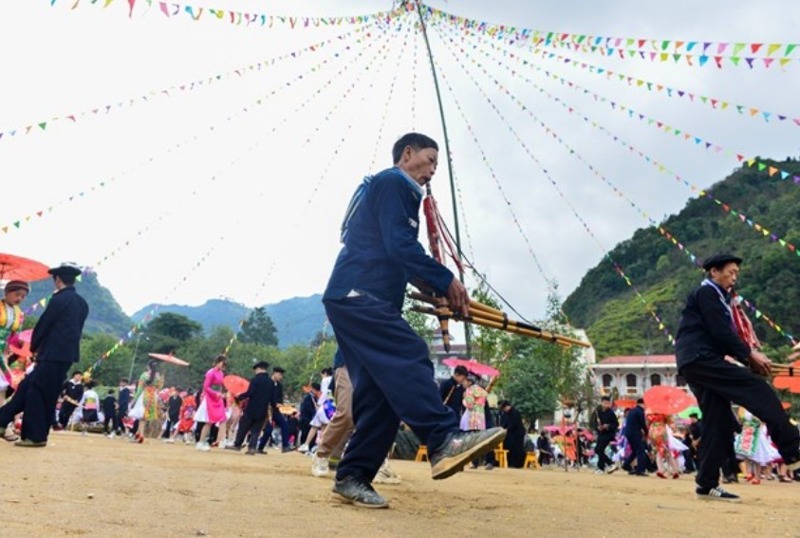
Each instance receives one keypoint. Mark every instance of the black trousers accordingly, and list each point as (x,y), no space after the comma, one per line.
(119,426)
(41,397)
(716,383)
(600,449)
(252,425)
(638,449)
(108,422)
(65,412)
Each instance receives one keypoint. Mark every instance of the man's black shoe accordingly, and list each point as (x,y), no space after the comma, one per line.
(261,451)
(358,492)
(251,452)
(460,448)
(286,449)
(716,494)
(233,447)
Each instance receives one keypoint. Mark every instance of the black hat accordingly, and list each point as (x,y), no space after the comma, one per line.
(720,260)
(264,365)
(278,370)
(65,269)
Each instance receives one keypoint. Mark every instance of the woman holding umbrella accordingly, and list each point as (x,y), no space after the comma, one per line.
(145,408)
(212,408)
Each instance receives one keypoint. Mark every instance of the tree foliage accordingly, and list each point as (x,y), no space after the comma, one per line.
(619,322)
(258,328)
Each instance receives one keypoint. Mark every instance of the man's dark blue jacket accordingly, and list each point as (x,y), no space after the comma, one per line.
(57,334)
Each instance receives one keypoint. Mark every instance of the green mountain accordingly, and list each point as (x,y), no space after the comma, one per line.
(105,314)
(297,319)
(616,319)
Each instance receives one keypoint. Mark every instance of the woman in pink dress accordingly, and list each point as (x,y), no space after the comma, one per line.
(212,408)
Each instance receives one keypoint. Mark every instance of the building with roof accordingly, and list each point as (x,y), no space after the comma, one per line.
(627,377)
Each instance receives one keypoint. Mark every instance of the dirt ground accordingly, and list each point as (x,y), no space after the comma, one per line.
(94,486)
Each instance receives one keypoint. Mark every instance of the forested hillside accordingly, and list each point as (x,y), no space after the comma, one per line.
(758,220)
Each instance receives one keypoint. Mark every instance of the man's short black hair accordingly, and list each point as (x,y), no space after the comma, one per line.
(417,141)
(76,372)
(327,371)
(316,386)
(605,399)
(640,401)
(461,370)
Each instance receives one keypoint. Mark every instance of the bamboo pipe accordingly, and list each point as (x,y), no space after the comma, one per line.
(443,312)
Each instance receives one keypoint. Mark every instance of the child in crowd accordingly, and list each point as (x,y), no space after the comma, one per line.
(658,434)
(174,404)
(109,413)
(186,424)
(89,405)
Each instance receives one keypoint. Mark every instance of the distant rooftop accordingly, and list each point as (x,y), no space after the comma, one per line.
(638,359)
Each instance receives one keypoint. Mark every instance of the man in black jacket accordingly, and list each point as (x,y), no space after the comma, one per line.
(259,397)
(605,423)
(706,335)
(635,434)
(452,390)
(56,343)
(511,420)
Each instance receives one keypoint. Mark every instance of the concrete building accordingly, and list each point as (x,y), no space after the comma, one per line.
(629,376)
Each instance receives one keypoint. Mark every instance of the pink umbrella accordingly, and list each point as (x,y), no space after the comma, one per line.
(475,367)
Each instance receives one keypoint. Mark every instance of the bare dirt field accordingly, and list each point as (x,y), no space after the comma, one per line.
(94,486)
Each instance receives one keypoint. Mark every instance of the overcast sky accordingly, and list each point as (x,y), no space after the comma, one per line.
(249,210)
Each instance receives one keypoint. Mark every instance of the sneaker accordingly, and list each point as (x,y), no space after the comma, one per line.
(716,494)
(27,443)
(489,467)
(251,452)
(611,468)
(303,449)
(203,447)
(233,447)
(462,447)
(319,466)
(386,475)
(286,449)
(358,492)
(599,471)
(261,451)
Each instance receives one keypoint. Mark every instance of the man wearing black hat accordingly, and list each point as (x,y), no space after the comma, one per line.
(511,420)
(706,335)
(258,397)
(277,416)
(56,343)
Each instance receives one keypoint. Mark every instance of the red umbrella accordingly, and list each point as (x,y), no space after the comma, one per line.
(475,367)
(169,358)
(666,399)
(19,268)
(235,384)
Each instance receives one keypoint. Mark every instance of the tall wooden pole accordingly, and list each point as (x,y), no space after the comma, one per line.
(467,332)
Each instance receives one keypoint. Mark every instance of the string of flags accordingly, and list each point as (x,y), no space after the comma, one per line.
(762,166)
(617,267)
(381,56)
(636,82)
(661,229)
(173,10)
(694,53)
(73,118)
(753,162)
(106,182)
